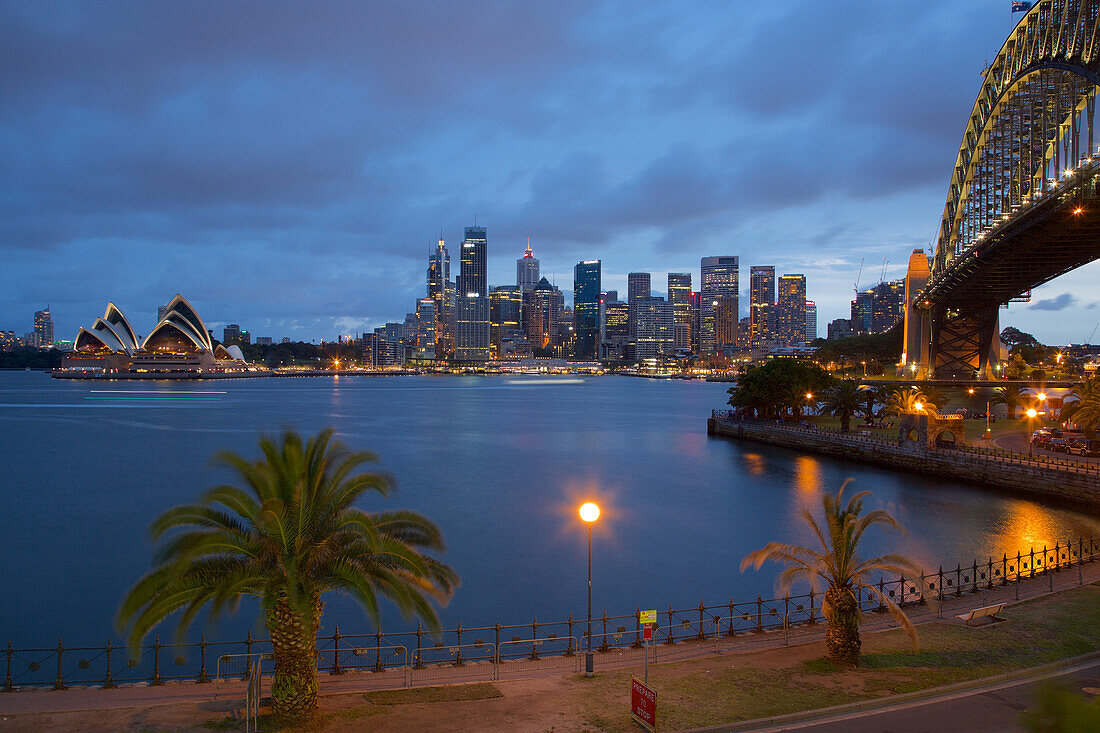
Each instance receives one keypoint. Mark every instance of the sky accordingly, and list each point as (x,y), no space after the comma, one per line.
(287,166)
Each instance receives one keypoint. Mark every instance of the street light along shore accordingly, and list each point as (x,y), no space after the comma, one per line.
(589,513)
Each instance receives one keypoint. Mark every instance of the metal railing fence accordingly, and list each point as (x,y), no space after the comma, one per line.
(481,652)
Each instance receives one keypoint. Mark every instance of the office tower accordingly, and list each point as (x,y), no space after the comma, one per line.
(426,319)
(611,296)
(527,270)
(472,300)
(790,310)
(441,290)
(761,298)
(505,314)
(542,306)
(863,308)
(696,319)
(43,329)
(811,321)
(586,310)
(615,329)
(887,305)
(718,283)
(840,328)
(231,334)
(637,286)
(679,294)
(653,328)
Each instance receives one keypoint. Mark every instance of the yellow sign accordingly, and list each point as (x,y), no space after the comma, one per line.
(647,617)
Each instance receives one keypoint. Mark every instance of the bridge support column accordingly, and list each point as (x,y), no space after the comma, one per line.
(962,344)
(915,356)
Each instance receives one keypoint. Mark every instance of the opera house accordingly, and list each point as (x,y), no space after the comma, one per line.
(179,347)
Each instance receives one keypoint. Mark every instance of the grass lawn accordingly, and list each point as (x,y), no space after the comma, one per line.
(732,688)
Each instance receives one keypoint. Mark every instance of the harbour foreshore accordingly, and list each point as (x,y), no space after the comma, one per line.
(1063,481)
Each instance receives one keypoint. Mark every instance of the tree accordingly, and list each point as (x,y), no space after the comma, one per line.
(777,385)
(289,533)
(875,395)
(843,401)
(1011,396)
(1013,337)
(1085,409)
(838,566)
(904,401)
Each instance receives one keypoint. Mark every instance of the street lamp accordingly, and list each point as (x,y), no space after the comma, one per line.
(1042,397)
(970,410)
(918,406)
(1031,413)
(589,513)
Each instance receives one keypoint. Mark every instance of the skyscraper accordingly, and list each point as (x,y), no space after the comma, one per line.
(718,283)
(542,306)
(811,321)
(637,286)
(472,299)
(43,329)
(586,310)
(527,270)
(441,290)
(426,319)
(653,328)
(791,310)
(505,314)
(679,294)
(761,299)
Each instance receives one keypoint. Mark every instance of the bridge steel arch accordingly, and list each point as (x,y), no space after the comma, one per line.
(1031,130)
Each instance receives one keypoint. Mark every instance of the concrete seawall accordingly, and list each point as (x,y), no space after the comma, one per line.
(1077,487)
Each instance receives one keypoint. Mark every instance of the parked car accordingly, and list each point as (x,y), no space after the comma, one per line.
(1041,437)
(1058,445)
(1083,447)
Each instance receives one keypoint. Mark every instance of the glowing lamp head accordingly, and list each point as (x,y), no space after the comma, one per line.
(809,395)
(918,405)
(1032,413)
(971,390)
(1042,396)
(590,512)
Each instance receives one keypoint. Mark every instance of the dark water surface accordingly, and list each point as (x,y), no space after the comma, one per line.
(501,463)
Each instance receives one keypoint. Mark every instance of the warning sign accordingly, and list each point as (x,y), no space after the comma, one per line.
(643,704)
(647,617)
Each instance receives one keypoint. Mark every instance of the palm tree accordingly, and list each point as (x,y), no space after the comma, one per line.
(874,395)
(288,534)
(838,566)
(843,401)
(1011,396)
(1085,409)
(906,400)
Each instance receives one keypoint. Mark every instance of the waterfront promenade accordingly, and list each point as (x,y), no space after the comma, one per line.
(1041,476)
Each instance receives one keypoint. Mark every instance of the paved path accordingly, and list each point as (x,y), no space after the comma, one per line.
(1018,442)
(40,701)
(991,709)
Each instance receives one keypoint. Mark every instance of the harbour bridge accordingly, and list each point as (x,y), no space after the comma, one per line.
(1023,206)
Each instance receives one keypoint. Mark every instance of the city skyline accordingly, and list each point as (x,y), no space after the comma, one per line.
(288,173)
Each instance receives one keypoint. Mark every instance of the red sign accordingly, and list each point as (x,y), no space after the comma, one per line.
(647,632)
(643,704)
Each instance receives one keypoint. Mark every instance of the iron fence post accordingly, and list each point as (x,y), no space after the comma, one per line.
(569,650)
(939,611)
(974,577)
(637,627)
(989,574)
(59,683)
(1031,565)
(156,661)
(1080,561)
(336,651)
(730,630)
(534,638)
(378,656)
(813,620)
(901,591)
(248,646)
(203,678)
(881,596)
(8,687)
(670,638)
(759,614)
(958,580)
(702,609)
(107,682)
(603,645)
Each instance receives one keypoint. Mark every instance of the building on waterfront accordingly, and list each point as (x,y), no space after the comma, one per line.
(542,308)
(679,294)
(586,310)
(790,310)
(527,270)
(879,308)
(637,287)
(840,328)
(427,319)
(9,341)
(505,316)
(615,330)
(761,300)
(43,329)
(718,283)
(811,321)
(441,289)
(653,336)
(472,299)
(179,345)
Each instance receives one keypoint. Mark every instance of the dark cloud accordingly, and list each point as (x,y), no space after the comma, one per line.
(1063,301)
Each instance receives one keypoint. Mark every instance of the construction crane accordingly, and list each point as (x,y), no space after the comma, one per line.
(1089,339)
(882,275)
(858,276)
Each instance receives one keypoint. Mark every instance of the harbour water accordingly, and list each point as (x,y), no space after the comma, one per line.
(500,463)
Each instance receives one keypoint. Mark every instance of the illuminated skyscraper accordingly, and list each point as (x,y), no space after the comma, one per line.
(761,300)
(441,289)
(527,270)
(679,294)
(718,283)
(586,310)
(791,310)
(426,319)
(43,329)
(811,321)
(637,287)
(472,299)
(505,314)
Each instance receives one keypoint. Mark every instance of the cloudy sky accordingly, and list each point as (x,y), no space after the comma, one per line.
(286,166)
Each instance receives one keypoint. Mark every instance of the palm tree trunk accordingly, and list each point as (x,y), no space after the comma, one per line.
(845,421)
(842,642)
(294,643)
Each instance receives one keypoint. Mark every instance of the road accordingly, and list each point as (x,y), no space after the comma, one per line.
(1018,442)
(994,709)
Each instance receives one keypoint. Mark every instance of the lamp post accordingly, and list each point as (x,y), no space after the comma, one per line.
(1031,413)
(1042,396)
(970,409)
(589,513)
